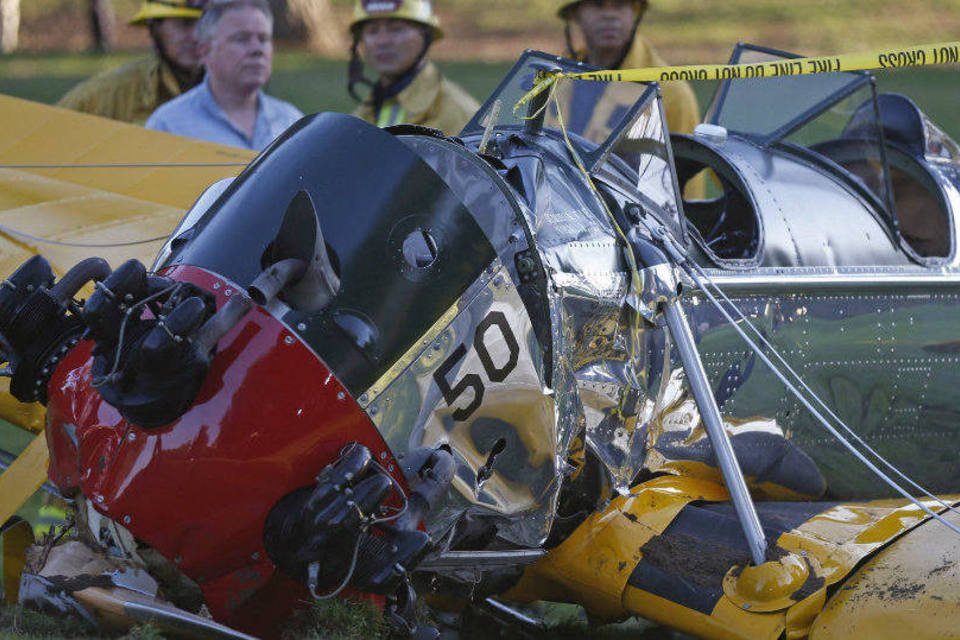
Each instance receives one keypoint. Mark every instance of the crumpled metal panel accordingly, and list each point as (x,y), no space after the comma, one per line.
(601,370)
(677,443)
(484,345)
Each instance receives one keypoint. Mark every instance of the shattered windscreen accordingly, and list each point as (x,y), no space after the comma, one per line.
(643,153)
(608,123)
(592,112)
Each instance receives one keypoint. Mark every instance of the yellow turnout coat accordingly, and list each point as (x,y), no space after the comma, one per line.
(129,93)
(430,100)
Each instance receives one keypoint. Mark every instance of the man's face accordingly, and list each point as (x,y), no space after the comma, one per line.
(240,52)
(606,24)
(177,39)
(391,46)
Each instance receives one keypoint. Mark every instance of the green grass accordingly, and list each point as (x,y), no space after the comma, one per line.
(24,624)
(344,620)
(337,620)
(17,622)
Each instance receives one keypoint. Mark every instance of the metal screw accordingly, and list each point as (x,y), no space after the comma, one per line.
(301,326)
(216,285)
(288,340)
(746,605)
(383,455)
(255,555)
(341,395)
(126,519)
(131,436)
(228,292)
(99,499)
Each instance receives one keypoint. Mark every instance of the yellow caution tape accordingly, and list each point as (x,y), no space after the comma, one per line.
(928,54)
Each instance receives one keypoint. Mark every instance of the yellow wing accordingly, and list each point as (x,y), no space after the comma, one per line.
(74,186)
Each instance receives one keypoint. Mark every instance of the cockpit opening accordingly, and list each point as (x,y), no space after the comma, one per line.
(919,207)
(725,219)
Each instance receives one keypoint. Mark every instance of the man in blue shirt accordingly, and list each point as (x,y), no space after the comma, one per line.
(229,107)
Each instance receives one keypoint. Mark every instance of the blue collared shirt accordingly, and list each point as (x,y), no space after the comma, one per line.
(196,114)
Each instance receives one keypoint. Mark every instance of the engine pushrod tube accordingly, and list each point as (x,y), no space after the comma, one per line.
(710,414)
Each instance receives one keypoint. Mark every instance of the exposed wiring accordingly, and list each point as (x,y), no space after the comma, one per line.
(313,569)
(403,496)
(313,573)
(109,377)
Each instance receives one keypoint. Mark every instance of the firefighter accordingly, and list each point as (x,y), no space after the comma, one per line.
(131,92)
(395,36)
(609,30)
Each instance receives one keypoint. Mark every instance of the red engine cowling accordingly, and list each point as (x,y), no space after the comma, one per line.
(268,417)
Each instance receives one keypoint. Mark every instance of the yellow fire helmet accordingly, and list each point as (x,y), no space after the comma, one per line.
(564,6)
(159,9)
(419,11)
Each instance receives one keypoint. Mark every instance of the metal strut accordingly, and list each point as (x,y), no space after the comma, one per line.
(710,414)
(659,293)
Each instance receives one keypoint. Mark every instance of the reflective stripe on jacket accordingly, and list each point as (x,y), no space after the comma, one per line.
(431,100)
(48,517)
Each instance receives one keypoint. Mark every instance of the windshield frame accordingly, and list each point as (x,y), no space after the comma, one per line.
(596,157)
(591,155)
(860,79)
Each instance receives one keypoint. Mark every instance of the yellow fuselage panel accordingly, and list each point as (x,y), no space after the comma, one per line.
(606,565)
(910,589)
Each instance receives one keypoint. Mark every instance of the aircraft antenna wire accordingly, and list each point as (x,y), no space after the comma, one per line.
(695,272)
(313,570)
